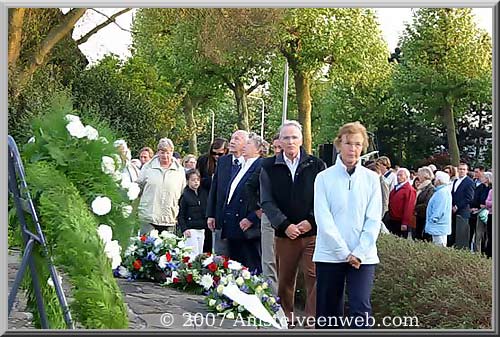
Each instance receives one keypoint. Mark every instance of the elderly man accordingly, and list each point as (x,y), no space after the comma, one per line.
(286,195)
(462,193)
(162,181)
(227,168)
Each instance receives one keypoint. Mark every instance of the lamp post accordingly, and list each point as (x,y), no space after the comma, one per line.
(261,115)
(285,93)
(213,126)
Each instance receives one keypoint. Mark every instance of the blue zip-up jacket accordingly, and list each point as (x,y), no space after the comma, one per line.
(438,214)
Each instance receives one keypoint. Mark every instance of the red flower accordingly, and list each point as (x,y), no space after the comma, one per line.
(208,254)
(226,258)
(143,238)
(189,278)
(185,259)
(175,280)
(190,265)
(216,279)
(137,264)
(168,256)
(212,267)
(225,264)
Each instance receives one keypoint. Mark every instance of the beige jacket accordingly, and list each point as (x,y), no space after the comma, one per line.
(161,190)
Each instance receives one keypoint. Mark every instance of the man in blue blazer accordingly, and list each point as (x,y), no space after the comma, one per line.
(227,167)
(462,193)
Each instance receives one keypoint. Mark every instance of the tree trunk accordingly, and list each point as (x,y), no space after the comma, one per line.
(303,93)
(451,133)
(241,105)
(191,124)
(16,20)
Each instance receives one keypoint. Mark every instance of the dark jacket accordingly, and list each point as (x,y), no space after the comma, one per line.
(242,205)
(285,201)
(423,199)
(480,195)
(463,196)
(192,209)
(218,189)
(205,176)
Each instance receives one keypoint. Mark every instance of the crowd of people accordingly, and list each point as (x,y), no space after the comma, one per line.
(283,210)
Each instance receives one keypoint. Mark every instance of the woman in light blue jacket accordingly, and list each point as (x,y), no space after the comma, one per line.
(438,215)
(348,212)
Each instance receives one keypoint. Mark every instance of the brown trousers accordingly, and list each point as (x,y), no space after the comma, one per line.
(289,253)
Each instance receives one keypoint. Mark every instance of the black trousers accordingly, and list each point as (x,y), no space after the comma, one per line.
(331,279)
(247,252)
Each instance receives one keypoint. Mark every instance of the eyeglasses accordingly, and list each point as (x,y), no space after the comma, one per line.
(356,145)
(217,153)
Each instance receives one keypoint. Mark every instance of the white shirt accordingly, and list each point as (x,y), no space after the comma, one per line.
(292,165)
(239,176)
(457,183)
(240,159)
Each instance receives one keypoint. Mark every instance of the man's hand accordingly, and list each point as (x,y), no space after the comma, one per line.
(245,224)
(304,226)
(187,233)
(292,231)
(211,224)
(404,228)
(454,209)
(353,261)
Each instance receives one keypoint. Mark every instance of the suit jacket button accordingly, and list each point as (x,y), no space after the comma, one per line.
(241,200)
(237,214)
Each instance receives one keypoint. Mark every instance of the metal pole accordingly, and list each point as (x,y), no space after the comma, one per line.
(285,93)
(262,121)
(213,126)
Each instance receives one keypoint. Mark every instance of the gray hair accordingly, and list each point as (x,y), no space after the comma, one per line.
(489,176)
(290,123)
(243,132)
(165,143)
(259,143)
(426,172)
(402,169)
(442,177)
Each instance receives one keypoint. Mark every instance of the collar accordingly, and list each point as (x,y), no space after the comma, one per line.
(155,163)
(240,159)
(341,164)
(296,161)
(250,161)
(280,157)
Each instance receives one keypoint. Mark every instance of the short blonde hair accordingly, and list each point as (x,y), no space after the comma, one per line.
(426,173)
(351,129)
(165,143)
(384,160)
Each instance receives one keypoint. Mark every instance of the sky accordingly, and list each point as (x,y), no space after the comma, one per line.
(116,40)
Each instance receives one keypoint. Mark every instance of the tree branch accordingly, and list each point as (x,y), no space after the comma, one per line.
(16,20)
(255,86)
(111,19)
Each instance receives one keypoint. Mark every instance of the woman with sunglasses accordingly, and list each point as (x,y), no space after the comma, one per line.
(206,165)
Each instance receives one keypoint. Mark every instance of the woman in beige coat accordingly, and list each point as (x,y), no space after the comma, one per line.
(162,181)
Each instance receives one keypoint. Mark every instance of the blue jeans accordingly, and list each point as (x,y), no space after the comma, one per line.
(331,279)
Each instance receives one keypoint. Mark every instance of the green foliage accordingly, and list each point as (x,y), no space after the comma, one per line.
(80,161)
(76,248)
(442,287)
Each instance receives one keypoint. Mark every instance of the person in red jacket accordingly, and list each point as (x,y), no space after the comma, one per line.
(402,204)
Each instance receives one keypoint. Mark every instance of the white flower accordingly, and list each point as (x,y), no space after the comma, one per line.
(91,133)
(101,205)
(158,242)
(207,281)
(271,300)
(103,140)
(105,233)
(76,129)
(219,307)
(245,274)
(107,165)
(165,235)
(126,211)
(72,118)
(130,249)
(230,315)
(223,280)
(234,265)
(117,176)
(133,191)
(154,234)
(51,283)
(162,263)
(240,281)
(212,302)
(264,285)
(220,289)
(112,251)
(229,277)
(125,184)
(31,140)
(181,244)
(258,289)
(123,272)
(208,260)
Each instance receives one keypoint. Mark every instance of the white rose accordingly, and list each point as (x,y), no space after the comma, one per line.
(76,129)
(158,242)
(126,211)
(101,205)
(91,133)
(264,285)
(112,251)
(125,184)
(162,263)
(220,289)
(240,281)
(246,274)
(212,302)
(71,118)
(234,265)
(154,234)
(123,272)
(107,165)
(133,191)
(105,233)
(181,244)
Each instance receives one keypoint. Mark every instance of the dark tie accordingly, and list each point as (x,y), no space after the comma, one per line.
(235,167)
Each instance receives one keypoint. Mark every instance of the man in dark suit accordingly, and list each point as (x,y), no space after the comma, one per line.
(227,167)
(462,194)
